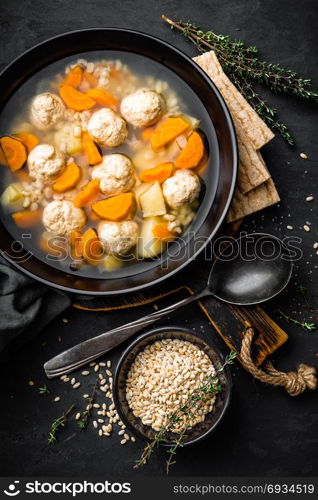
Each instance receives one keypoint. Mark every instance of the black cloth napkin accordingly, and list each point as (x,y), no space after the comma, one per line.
(26,306)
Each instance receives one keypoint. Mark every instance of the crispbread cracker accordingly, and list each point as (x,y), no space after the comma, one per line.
(247,122)
(255,188)
(245,204)
(252,169)
(251,131)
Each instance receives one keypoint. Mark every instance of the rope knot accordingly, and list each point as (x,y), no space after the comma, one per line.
(299,381)
(294,382)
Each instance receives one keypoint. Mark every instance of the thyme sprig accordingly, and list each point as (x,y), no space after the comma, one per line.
(57,424)
(210,387)
(302,290)
(306,325)
(44,391)
(242,65)
(85,415)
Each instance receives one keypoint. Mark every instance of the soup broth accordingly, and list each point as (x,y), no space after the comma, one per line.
(149,194)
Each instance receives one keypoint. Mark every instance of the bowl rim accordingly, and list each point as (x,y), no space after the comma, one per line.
(167,329)
(234,149)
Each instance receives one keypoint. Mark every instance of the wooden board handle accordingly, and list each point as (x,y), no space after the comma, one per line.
(231,321)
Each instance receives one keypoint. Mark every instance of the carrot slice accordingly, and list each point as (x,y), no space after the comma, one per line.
(29,140)
(92,246)
(3,160)
(162,232)
(68,179)
(168,130)
(27,218)
(91,151)
(75,99)
(14,152)
(74,77)
(192,153)
(114,208)
(88,193)
(159,173)
(102,97)
(91,79)
(147,133)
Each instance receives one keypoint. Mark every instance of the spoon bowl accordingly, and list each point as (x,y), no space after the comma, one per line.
(251,269)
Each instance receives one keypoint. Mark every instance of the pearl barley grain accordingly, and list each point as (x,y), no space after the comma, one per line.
(162,377)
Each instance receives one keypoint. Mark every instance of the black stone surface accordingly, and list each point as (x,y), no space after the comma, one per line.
(266,432)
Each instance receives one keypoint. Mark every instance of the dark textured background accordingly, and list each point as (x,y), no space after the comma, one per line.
(266,432)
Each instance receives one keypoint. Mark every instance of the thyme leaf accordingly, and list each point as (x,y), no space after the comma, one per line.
(44,390)
(245,69)
(57,424)
(306,325)
(85,415)
(210,387)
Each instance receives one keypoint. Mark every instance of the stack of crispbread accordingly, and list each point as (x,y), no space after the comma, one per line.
(255,188)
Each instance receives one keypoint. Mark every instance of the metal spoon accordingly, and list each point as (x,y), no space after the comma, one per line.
(250,270)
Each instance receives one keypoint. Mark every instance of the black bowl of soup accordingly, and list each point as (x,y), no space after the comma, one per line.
(118,161)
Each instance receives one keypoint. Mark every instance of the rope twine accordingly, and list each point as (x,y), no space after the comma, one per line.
(295,383)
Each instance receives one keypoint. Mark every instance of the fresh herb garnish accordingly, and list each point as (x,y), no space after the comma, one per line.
(242,65)
(57,424)
(44,390)
(302,290)
(85,415)
(211,386)
(306,325)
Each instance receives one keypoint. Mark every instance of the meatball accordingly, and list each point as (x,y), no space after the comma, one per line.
(107,128)
(46,110)
(45,162)
(118,237)
(143,108)
(62,217)
(116,174)
(182,188)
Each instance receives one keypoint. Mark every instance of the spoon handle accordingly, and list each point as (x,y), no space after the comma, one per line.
(82,353)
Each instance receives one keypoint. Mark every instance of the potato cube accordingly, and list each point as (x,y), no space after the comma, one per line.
(148,245)
(11,194)
(152,201)
(138,190)
(111,263)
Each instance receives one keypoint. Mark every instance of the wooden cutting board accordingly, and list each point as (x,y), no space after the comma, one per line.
(228,321)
